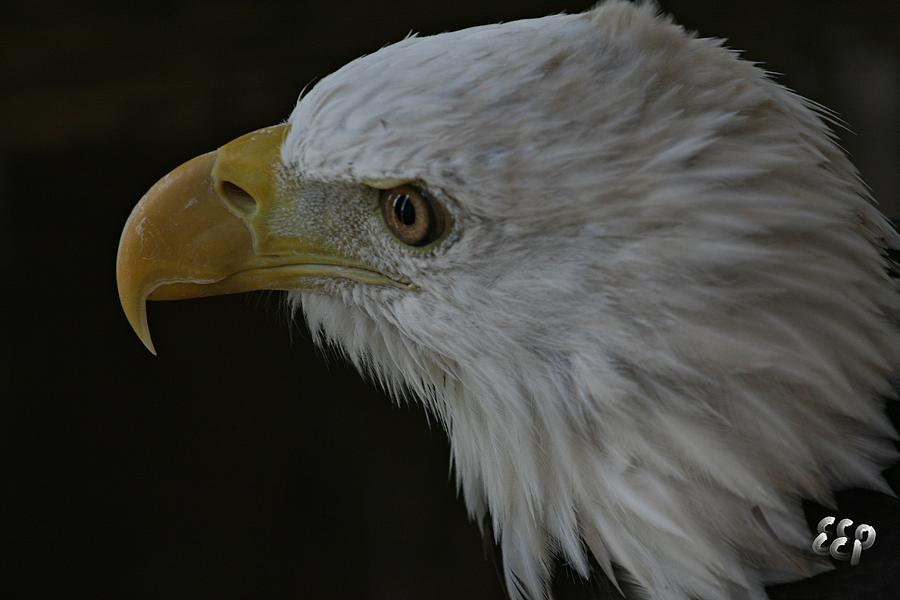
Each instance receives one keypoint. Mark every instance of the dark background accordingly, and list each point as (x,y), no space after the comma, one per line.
(241,463)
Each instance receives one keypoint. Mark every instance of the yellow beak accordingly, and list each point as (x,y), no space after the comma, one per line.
(202,231)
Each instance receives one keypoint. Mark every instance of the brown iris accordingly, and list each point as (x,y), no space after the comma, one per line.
(409,215)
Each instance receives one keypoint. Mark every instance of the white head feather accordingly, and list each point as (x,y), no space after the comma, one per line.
(663,313)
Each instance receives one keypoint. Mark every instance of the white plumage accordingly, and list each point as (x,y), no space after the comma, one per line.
(663,315)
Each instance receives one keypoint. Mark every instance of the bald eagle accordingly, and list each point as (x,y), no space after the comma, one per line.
(635,279)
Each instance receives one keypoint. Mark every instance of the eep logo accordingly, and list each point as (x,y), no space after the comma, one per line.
(864,537)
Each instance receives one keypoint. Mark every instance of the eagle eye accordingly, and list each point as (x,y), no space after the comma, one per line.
(410,216)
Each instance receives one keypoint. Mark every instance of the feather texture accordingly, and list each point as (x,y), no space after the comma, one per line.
(663,315)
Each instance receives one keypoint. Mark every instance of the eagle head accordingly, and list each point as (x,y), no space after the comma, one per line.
(634,278)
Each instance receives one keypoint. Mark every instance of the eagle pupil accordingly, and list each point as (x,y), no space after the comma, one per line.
(405,210)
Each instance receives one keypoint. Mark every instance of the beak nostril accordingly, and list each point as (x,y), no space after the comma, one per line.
(237,197)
